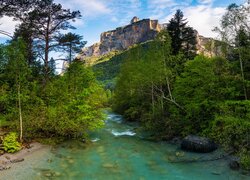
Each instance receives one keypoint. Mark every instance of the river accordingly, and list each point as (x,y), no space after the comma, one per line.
(118,152)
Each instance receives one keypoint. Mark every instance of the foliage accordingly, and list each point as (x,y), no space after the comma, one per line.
(71,105)
(204,84)
(10,143)
(144,86)
(231,128)
(183,37)
(234,31)
(41,27)
(72,44)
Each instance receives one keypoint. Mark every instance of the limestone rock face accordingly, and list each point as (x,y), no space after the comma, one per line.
(208,46)
(121,38)
(136,32)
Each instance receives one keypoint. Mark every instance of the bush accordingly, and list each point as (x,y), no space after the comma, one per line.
(231,128)
(10,143)
(245,159)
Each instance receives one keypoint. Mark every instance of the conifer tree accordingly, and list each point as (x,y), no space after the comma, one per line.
(183,37)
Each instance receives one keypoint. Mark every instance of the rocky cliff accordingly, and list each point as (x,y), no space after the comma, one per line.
(121,38)
(137,31)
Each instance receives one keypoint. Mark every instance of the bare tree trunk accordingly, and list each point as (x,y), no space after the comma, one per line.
(243,76)
(169,90)
(46,52)
(152,98)
(20,113)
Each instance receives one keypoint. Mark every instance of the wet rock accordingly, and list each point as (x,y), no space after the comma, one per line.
(49,173)
(49,160)
(7,157)
(179,154)
(108,165)
(4,168)
(198,144)
(234,164)
(17,160)
(175,140)
(59,155)
(57,174)
(216,173)
(71,161)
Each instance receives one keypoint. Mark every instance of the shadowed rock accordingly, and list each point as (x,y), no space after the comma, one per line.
(234,163)
(17,160)
(198,144)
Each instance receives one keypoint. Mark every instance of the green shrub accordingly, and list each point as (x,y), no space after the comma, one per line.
(10,143)
(231,128)
(245,159)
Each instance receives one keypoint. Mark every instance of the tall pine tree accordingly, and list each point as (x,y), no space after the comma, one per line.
(183,37)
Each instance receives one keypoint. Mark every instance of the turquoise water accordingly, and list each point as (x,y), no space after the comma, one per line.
(118,152)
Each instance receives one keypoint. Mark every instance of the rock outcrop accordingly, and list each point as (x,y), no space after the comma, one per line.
(121,38)
(139,31)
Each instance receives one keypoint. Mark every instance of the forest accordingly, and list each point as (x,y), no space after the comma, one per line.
(162,84)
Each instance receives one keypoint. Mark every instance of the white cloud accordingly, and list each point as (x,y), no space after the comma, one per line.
(205,1)
(204,18)
(158,8)
(7,24)
(90,8)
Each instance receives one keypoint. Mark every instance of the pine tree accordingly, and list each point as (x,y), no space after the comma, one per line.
(72,43)
(183,37)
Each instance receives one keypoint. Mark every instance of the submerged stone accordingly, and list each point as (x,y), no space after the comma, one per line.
(234,164)
(71,161)
(4,168)
(198,144)
(17,160)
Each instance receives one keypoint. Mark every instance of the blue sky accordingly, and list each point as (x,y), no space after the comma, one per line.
(103,15)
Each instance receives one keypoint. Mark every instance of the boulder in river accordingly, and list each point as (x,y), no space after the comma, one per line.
(198,144)
(234,163)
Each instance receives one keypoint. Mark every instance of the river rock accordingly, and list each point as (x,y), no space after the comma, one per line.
(234,164)
(4,168)
(17,160)
(176,141)
(198,144)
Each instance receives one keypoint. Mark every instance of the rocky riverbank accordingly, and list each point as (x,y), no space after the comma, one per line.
(10,163)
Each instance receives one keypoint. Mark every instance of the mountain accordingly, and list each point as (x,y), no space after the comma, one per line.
(138,31)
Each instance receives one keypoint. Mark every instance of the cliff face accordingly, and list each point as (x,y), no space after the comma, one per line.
(121,38)
(137,31)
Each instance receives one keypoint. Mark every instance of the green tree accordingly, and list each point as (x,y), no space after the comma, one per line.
(72,44)
(183,37)
(145,83)
(204,84)
(14,8)
(234,30)
(71,106)
(16,74)
(44,22)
